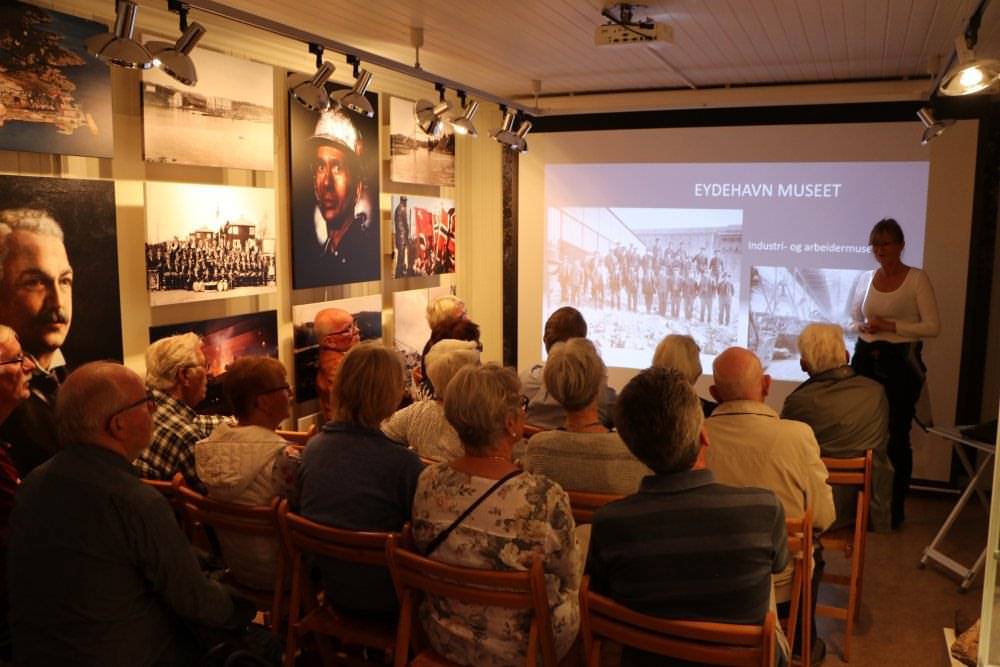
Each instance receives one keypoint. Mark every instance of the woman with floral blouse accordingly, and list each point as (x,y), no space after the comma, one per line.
(525,515)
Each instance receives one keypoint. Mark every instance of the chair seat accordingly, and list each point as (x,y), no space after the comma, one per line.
(431,658)
(354,630)
(841,539)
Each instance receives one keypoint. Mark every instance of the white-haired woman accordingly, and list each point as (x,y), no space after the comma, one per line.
(583,455)
(682,354)
(422,425)
(519,515)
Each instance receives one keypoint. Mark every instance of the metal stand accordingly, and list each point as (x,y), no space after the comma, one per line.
(954,436)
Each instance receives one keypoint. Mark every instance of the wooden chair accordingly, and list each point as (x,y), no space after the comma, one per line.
(169,491)
(856,472)
(309,612)
(299,438)
(416,576)
(585,503)
(532,429)
(800,548)
(698,641)
(260,521)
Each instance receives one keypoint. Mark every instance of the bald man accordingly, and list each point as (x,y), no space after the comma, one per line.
(336,333)
(750,445)
(99,571)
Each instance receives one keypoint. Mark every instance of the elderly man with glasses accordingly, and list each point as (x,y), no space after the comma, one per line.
(177,376)
(99,571)
(336,333)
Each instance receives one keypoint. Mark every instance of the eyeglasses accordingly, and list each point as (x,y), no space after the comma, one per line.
(146,400)
(352,329)
(524,403)
(19,360)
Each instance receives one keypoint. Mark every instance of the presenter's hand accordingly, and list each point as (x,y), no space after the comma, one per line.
(875,324)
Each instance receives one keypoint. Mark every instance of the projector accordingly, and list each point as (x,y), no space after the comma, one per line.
(613,34)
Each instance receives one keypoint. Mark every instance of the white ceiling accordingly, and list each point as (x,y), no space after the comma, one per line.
(500,46)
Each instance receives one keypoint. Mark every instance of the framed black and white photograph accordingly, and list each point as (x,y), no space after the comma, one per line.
(334,195)
(208,242)
(225,340)
(417,157)
(232,105)
(410,329)
(367,314)
(423,236)
(54,96)
(59,288)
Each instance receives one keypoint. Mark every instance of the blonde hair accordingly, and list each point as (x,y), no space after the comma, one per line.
(442,308)
(369,384)
(167,356)
(681,353)
(478,401)
(446,358)
(821,347)
(574,373)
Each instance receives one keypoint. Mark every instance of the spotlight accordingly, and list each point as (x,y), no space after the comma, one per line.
(118,48)
(310,91)
(430,116)
(970,75)
(933,128)
(354,98)
(506,136)
(175,59)
(463,124)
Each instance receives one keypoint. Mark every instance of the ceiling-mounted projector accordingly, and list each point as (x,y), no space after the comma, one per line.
(621,30)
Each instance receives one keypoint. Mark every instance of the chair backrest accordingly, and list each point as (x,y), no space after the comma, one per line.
(585,503)
(299,438)
(415,576)
(532,429)
(244,519)
(304,536)
(856,472)
(698,641)
(800,548)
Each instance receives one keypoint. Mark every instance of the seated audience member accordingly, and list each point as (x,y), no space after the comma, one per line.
(684,546)
(583,455)
(446,307)
(543,409)
(15,377)
(177,375)
(99,571)
(519,514)
(422,425)
(681,353)
(752,446)
(250,464)
(355,478)
(849,415)
(336,333)
(449,328)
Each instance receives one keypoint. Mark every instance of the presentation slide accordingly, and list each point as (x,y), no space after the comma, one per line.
(731,254)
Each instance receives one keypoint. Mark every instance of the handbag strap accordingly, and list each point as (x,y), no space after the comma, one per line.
(443,535)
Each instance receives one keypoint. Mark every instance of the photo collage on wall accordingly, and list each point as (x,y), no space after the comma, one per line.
(366,311)
(226,339)
(334,195)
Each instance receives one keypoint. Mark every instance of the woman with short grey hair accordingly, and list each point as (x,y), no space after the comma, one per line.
(482,511)
(583,455)
(681,353)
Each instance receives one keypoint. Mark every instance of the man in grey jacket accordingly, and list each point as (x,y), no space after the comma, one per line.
(849,415)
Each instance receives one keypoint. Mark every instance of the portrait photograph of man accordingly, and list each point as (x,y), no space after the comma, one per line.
(58,292)
(335,212)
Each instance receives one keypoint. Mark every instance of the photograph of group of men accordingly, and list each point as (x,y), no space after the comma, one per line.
(423,234)
(208,260)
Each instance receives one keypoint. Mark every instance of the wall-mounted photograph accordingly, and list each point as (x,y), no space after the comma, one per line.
(232,105)
(334,195)
(363,312)
(226,339)
(416,157)
(410,329)
(59,285)
(54,96)
(208,242)
(423,236)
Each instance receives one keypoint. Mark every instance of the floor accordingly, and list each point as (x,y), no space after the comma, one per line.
(904,608)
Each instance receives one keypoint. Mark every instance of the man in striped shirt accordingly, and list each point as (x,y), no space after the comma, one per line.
(684,546)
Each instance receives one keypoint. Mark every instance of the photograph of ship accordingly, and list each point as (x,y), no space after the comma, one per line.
(208,242)
(232,106)
(226,339)
(415,157)
(423,236)
(784,299)
(85,211)
(54,96)
(367,313)
(638,274)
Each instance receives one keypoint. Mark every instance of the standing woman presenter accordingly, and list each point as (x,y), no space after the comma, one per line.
(893,314)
